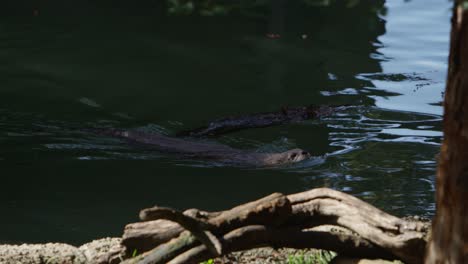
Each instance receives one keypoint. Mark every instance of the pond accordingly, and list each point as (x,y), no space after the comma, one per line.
(65,68)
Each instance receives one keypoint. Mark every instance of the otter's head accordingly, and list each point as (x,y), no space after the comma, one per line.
(290,156)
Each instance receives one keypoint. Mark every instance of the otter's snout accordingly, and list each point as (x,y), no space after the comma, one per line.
(297,155)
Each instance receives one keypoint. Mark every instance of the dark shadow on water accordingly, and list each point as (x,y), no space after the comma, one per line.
(78,201)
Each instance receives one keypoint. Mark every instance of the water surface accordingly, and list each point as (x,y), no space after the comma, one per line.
(89,66)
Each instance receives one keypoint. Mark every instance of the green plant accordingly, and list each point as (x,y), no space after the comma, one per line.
(209,261)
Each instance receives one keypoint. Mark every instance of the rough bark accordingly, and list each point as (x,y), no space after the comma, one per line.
(280,221)
(144,236)
(198,228)
(449,243)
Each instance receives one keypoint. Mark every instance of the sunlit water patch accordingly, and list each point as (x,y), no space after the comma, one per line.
(415,51)
(385,156)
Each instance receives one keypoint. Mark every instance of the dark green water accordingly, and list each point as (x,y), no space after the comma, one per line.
(71,67)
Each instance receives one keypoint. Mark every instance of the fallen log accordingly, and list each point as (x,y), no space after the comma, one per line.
(258,120)
(196,227)
(147,235)
(321,218)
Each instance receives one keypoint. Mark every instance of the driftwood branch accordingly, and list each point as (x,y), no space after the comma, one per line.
(320,218)
(195,226)
(403,238)
(167,251)
(257,235)
(258,120)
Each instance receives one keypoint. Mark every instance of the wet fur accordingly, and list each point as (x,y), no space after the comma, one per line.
(208,150)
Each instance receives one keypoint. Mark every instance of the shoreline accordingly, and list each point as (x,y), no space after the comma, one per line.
(96,251)
(99,252)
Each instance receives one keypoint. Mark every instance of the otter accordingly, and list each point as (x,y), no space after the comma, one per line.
(286,115)
(207,150)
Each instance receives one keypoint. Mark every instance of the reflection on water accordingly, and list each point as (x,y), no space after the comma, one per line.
(415,54)
(166,74)
(395,157)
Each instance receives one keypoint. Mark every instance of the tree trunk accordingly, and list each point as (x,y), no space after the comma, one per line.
(449,243)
